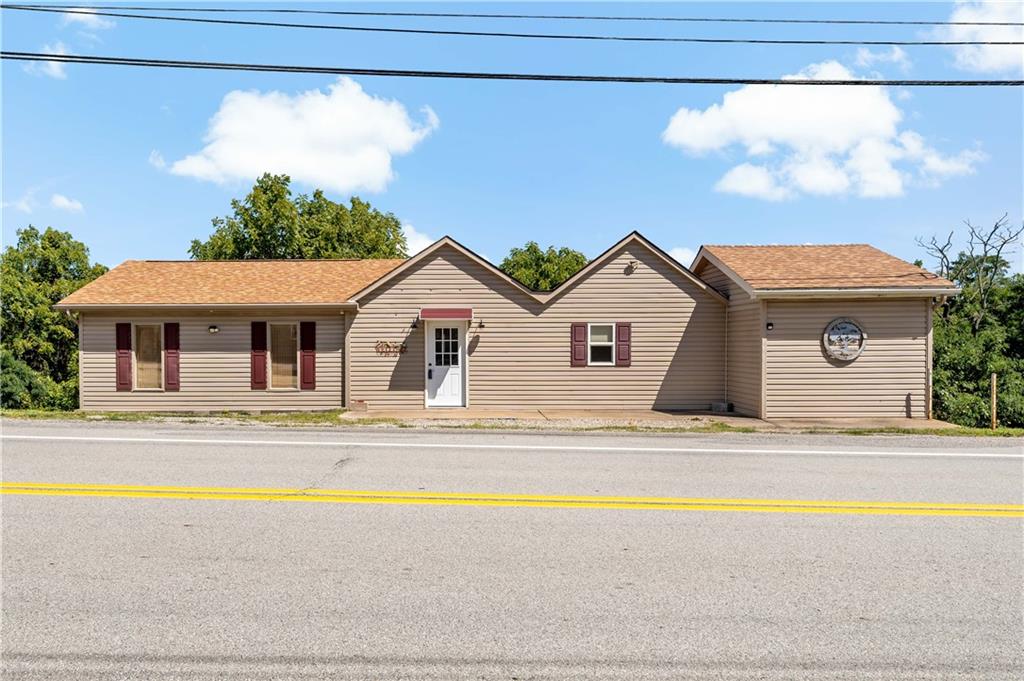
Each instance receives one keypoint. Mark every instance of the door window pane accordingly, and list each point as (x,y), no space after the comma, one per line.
(284,356)
(446,347)
(148,356)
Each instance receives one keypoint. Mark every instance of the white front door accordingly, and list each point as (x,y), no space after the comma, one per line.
(445,365)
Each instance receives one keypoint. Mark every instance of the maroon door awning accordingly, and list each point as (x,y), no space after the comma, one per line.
(451,313)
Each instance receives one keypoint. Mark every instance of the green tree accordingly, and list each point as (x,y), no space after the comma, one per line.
(39,345)
(539,269)
(980,331)
(270,223)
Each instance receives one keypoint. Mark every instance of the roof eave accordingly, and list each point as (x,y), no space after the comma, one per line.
(427,252)
(704,255)
(633,236)
(872,292)
(201,306)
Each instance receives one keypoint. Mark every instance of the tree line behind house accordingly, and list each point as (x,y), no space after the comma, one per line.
(976,333)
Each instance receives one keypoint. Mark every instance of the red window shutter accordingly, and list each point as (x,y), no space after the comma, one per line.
(307,355)
(258,356)
(578,345)
(123,354)
(172,356)
(623,344)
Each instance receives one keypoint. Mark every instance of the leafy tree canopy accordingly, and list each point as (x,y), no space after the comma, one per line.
(980,331)
(38,344)
(270,223)
(539,269)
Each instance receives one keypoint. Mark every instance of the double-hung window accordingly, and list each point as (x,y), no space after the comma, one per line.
(284,355)
(149,351)
(600,344)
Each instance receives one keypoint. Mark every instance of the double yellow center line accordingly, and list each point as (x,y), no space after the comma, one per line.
(339,496)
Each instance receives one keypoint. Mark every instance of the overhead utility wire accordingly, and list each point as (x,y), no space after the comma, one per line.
(474,75)
(574,17)
(498,34)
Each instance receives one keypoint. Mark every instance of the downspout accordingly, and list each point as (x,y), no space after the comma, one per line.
(726,363)
(346,359)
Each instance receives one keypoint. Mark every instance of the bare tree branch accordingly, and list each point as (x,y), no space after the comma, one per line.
(939,251)
(978,268)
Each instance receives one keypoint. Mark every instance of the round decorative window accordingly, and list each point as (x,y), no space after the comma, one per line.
(843,339)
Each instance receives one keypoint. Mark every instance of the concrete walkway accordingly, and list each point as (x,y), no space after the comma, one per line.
(858,423)
(557,419)
(575,419)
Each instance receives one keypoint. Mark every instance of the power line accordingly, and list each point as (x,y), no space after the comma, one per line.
(475,75)
(573,17)
(500,34)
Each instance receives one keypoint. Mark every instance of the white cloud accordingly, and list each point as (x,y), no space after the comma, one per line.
(754,181)
(53,69)
(896,56)
(683,255)
(61,202)
(87,18)
(819,140)
(415,241)
(987,58)
(25,203)
(156,159)
(342,140)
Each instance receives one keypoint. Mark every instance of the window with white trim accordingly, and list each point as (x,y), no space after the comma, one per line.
(149,357)
(600,344)
(284,355)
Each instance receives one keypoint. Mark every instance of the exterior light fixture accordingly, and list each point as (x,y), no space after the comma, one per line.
(770,326)
(213,328)
(415,323)
(482,325)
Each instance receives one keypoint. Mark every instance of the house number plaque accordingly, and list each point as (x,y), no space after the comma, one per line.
(389,348)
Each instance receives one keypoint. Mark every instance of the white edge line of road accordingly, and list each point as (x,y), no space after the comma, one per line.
(519,447)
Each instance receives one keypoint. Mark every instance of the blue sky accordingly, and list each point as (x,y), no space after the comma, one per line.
(135,162)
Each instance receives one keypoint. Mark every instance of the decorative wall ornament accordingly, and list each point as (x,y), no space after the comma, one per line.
(390,348)
(844,339)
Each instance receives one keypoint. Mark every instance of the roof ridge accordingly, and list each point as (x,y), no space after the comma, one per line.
(161,260)
(785,245)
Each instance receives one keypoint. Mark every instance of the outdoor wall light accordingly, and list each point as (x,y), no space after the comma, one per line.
(482,325)
(415,323)
(213,328)
(771,326)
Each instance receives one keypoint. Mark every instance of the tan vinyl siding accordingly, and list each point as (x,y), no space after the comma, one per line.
(214,367)
(744,359)
(743,341)
(520,358)
(889,379)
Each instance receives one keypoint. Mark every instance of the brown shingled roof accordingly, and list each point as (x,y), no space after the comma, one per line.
(823,267)
(230,282)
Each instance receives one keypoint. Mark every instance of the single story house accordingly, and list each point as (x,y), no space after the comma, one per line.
(769,331)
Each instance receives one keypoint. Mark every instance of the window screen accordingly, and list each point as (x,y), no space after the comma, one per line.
(148,356)
(602,337)
(284,356)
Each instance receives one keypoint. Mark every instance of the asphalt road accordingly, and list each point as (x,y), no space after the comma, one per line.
(826,572)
